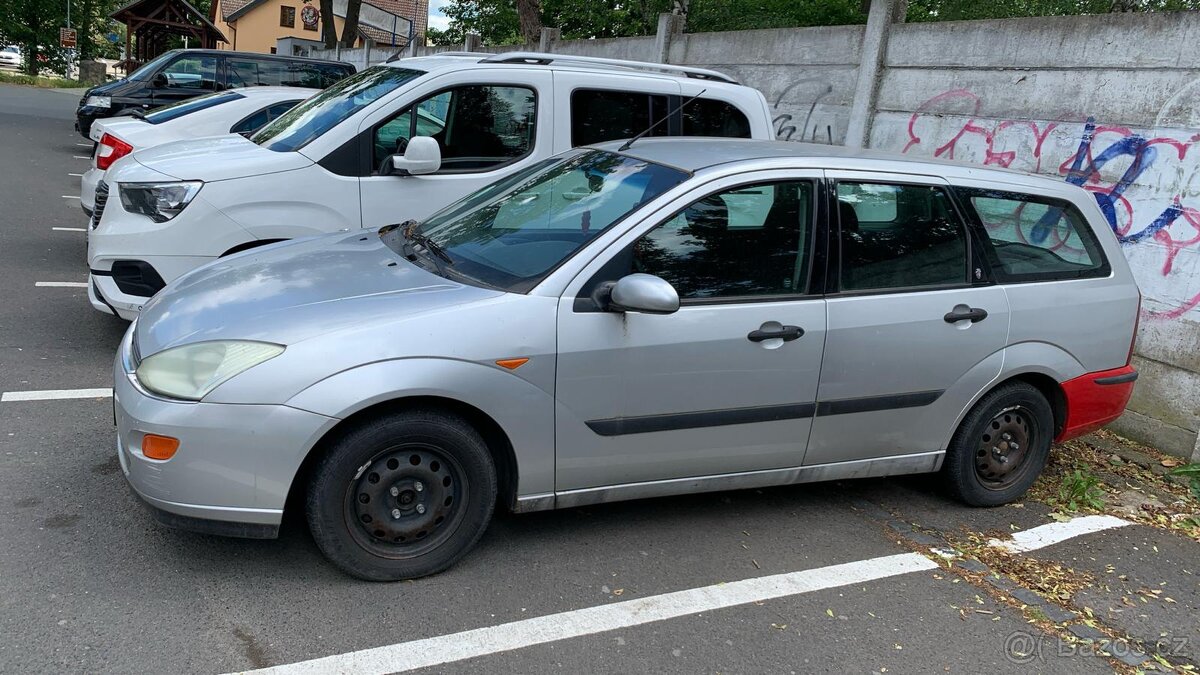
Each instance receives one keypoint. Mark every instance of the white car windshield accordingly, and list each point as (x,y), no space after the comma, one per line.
(515,232)
(324,111)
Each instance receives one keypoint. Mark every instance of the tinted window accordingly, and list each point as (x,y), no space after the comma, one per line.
(513,233)
(258,119)
(1033,237)
(478,127)
(899,236)
(194,71)
(325,110)
(706,117)
(598,116)
(188,106)
(748,241)
(241,72)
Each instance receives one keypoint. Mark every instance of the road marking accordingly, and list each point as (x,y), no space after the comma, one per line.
(434,651)
(69,229)
(77,175)
(84,145)
(70,196)
(54,394)
(1053,533)
(61,284)
(81,157)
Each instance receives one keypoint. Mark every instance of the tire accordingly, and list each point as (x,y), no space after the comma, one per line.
(402,496)
(1001,446)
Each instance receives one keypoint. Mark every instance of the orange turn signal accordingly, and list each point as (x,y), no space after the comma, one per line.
(159,447)
(512,364)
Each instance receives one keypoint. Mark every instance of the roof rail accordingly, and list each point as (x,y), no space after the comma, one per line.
(546,59)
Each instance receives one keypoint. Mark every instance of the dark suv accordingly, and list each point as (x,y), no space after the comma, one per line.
(183,73)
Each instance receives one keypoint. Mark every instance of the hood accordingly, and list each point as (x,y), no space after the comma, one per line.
(291,291)
(219,158)
(114,88)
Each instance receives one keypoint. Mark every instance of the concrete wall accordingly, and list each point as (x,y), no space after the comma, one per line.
(1111,103)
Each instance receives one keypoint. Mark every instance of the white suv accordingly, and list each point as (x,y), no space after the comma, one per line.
(338,160)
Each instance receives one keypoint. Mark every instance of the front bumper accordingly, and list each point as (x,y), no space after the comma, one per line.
(235,463)
(87,114)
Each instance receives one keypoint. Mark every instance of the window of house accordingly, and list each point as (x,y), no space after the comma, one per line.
(899,236)
(477,126)
(1035,238)
(750,241)
(287,16)
(601,115)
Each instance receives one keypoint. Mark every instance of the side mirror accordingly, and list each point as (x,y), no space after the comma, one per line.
(423,155)
(643,293)
(160,80)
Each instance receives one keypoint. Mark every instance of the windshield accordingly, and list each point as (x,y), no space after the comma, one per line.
(145,71)
(515,232)
(325,110)
(187,106)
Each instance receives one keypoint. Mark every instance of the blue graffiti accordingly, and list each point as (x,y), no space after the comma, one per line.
(1143,155)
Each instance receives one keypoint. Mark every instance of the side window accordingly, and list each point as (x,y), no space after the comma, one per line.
(899,236)
(478,127)
(1033,238)
(241,72)
(707,117)
(197,71)
(600,115)
(750,241)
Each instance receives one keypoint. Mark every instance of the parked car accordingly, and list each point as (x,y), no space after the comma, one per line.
(241,111)
(328,164)
(682,315)
(10,57)
(181,74)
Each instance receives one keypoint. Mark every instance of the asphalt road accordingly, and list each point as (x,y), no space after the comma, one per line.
(88,582)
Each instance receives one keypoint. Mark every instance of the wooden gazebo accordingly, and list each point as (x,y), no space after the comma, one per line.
(153,21)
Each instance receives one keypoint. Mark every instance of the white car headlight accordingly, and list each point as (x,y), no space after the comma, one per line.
(160,201)
(99,101)
(191,371)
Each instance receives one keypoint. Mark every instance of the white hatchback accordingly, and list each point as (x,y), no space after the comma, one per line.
(239,111)
(347,158)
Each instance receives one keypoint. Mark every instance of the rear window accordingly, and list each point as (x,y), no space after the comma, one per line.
(601,115)
(243,71)
(186,107)
(1035,238)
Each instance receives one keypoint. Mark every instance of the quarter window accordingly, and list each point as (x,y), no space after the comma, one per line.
(707,117)
(1035,238)
(899,236)
(478,127)
(751,241)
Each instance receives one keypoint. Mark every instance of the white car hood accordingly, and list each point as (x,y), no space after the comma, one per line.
(218,158)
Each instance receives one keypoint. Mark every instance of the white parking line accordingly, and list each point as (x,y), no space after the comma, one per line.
(54,394)
(70,196)
(61,284)
(579,622)
(81,157)
(77,175)
(84,145)
(69,229)
(1053,533)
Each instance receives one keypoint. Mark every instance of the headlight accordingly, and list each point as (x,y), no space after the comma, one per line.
(191,371)
(159,201)
(99,101)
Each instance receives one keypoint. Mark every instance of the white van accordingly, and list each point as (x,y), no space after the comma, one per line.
(337,161)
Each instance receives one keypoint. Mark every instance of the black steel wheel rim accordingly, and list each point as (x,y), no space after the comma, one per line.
(1002,457)
(406,500)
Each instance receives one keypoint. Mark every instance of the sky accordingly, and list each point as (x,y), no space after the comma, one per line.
(436,18)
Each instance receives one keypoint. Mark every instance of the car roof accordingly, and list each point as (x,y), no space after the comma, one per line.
(275,91)
(256,55)
(694,154)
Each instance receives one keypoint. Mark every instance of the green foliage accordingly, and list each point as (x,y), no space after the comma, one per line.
(34,25)
(48,82)
(1192,473)
(1081,489)
(961,10)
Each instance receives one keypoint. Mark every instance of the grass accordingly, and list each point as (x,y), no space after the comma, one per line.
(45,82)
(1081,489)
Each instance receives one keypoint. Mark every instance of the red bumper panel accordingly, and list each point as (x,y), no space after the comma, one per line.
(1096,399)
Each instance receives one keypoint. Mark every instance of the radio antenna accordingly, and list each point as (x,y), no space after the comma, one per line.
(626,144)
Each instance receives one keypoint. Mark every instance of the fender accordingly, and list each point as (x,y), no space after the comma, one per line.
(1042,358)
(524,411)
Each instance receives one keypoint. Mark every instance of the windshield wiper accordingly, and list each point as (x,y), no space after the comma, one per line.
(412,232)
(137,113)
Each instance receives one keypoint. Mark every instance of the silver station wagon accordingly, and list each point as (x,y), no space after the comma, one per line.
(617,322)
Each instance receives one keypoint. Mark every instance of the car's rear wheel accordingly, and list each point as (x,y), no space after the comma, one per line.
(402,496)
(1001,446)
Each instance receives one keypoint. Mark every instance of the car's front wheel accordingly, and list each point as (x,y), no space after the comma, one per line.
(402,496)
(1001,446)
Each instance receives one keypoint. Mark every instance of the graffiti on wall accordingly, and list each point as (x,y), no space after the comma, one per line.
(801,115)
(1146,182)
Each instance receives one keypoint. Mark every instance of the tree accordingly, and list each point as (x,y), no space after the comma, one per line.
(34,24)
(350,27)
(328,29)
(529,19)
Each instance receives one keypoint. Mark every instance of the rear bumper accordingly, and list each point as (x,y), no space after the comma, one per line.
(1095,399)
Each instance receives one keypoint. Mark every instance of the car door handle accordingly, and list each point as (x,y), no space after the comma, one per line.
(786,333)
(973,314)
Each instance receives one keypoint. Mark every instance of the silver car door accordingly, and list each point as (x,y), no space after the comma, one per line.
(915,330)
(725,384)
